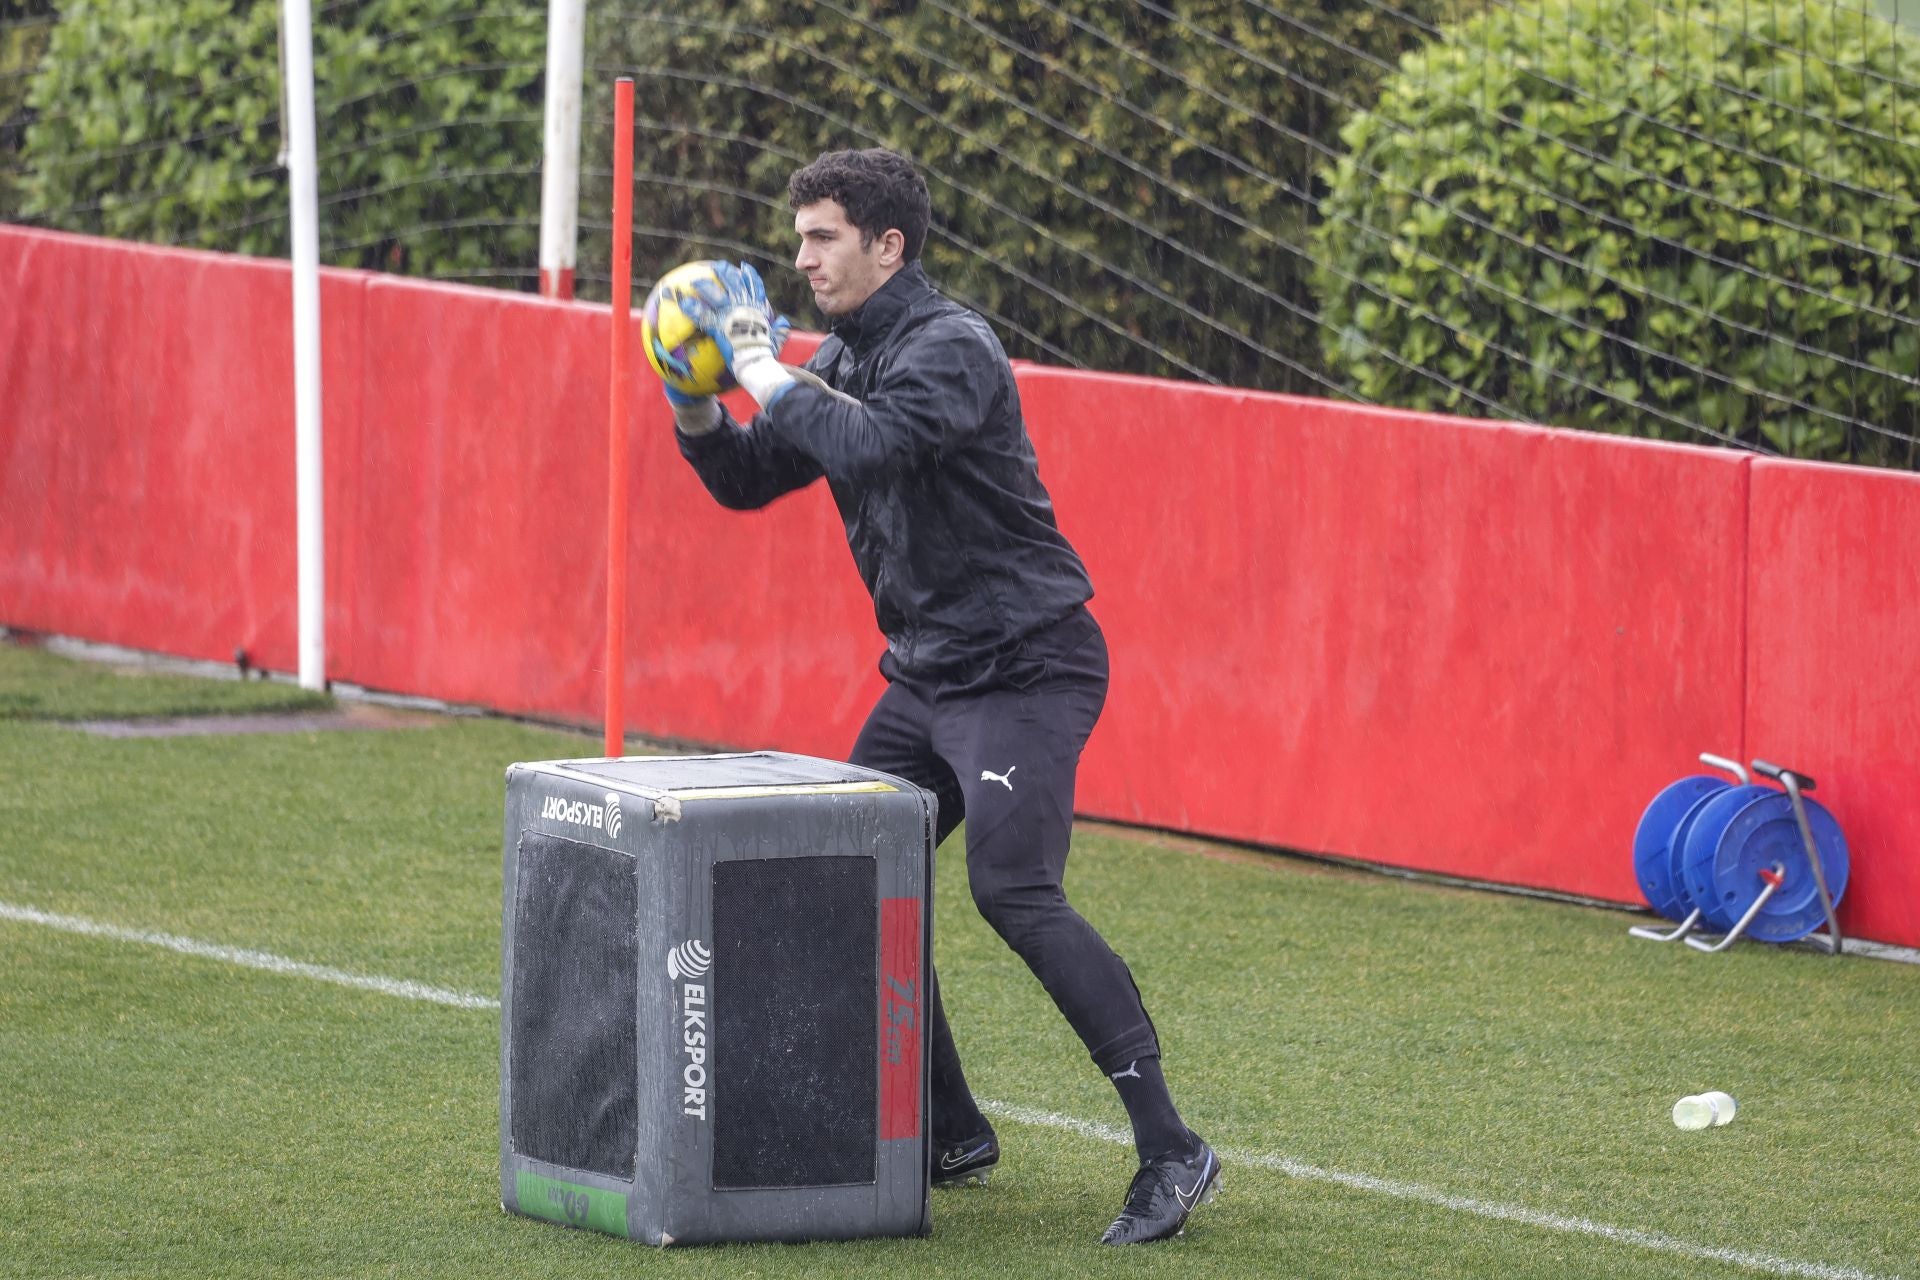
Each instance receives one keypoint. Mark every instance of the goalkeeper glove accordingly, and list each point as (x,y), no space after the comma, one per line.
(732,309)
(693,415)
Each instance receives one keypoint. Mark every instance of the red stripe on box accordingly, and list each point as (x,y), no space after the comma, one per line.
(902,1026)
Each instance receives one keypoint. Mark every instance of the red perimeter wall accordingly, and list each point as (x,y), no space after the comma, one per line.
(1463,647)
(1833,666)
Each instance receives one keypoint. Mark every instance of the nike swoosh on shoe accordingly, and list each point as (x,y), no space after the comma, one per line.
(1187,1197)
(954,1159)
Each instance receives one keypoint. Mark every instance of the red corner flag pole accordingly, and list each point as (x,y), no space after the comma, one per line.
(618,399)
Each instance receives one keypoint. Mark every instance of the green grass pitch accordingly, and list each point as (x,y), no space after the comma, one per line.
(1405,1079)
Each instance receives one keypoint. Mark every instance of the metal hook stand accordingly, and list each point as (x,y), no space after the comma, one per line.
(1775,876)
(1834,943)
(1733,767)
(1653,934)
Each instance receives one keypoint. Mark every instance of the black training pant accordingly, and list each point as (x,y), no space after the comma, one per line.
(1002,753)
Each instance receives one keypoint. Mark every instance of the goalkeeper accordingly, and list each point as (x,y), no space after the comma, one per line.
(996,671)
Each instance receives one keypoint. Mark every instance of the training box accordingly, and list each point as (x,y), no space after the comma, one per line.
(713,973)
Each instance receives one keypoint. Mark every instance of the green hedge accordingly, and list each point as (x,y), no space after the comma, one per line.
(25,27)
(735,94)
(161,122)
(1475,260)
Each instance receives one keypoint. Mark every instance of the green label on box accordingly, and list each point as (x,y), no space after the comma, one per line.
(571,1203)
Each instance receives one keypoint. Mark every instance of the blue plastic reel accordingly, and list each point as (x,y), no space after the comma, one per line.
(1746,830)
(1661,835)
(1709,824)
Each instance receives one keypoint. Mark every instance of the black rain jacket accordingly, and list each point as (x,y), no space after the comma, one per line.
(934,475)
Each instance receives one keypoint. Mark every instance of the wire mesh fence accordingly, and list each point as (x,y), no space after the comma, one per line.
(1686,219)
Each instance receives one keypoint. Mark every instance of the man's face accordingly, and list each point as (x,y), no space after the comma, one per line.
(843,273)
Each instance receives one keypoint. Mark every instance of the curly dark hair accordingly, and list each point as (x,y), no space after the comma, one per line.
(879,189)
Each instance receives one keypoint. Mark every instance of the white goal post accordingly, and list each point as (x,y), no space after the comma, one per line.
(560,152)
(303,194)
(559,219)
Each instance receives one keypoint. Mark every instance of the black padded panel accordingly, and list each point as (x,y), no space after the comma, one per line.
(795,1067)
(574,1069)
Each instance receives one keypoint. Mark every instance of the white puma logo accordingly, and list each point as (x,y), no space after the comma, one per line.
(1004,779)
(1133,1069)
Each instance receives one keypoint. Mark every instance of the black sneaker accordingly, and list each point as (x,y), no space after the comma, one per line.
(969,1161)
(1164,1192)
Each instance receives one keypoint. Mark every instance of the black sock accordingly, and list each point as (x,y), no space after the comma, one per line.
(1157,1129)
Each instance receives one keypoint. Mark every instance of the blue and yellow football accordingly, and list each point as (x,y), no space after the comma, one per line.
(685,358)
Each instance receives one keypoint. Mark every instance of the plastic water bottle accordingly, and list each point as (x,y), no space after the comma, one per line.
(1700,1110)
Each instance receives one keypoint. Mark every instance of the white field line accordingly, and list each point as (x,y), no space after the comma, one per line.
(1230,1157)
(1286,1165)
(248,959)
